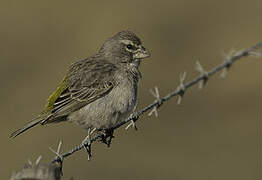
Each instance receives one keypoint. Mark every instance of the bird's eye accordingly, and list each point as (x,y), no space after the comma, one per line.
(129,46)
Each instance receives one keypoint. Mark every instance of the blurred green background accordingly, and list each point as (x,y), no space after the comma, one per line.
(215,133)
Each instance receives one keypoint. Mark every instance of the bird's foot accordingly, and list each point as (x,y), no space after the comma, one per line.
(107,136)
(87,145)
(87,142)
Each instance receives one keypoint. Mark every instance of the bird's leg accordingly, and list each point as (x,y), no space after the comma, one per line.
(87,142)
(108,133)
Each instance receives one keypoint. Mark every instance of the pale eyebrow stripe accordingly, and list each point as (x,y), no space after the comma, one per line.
(125,41)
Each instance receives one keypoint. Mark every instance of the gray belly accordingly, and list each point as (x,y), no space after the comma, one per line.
(109,110)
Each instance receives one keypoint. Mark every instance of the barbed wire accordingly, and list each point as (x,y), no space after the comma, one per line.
(53,170)
(231,58)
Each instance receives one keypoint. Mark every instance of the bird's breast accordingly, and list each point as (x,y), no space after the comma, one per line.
(124,95)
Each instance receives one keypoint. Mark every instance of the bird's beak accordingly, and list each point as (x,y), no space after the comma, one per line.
(141,53)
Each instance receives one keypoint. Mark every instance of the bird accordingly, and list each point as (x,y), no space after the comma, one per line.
(100,91)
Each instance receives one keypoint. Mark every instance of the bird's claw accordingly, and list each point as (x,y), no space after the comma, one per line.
(107,136)
(87,143)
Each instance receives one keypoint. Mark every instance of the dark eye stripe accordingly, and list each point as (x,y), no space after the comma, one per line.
(131,47)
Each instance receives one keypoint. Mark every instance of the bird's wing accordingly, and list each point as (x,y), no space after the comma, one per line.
(86,81)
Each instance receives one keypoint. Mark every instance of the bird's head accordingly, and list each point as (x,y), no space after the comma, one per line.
(124,47)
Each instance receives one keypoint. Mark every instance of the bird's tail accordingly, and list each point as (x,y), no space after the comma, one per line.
(27,126)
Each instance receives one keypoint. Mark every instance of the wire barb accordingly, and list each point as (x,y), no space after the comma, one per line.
(30,162)
(203,73)
(59,157)
(158,101)
(255,54)
(38,160)
(132,124)
(228,62)
(181,88)
(225,70)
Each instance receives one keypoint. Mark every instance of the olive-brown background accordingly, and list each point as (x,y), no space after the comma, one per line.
(215,133)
